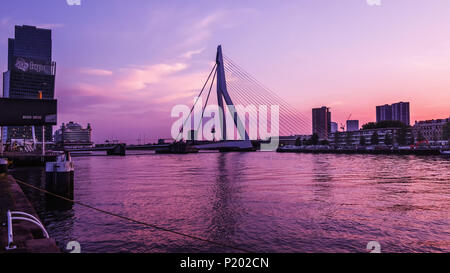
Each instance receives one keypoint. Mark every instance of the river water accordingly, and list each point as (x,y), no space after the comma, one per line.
(261,201)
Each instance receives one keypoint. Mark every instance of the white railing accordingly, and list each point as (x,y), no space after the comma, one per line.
(22,216)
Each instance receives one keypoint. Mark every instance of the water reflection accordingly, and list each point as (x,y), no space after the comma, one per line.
(36,177)
(223,219)
(260,201)
(322,176)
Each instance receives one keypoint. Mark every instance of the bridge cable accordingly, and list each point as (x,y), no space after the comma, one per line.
(250,78)
(287,107)
(268,98)
(289,124)
(286,121)
(206,103)
(241,100)
(245,98)
(198,97)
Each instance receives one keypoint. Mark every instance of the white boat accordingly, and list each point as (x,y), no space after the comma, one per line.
(446,153)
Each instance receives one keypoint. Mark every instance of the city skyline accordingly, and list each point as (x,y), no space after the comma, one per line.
(223,132)
(134,61)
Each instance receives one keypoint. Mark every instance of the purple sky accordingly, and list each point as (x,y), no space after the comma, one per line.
(122,65)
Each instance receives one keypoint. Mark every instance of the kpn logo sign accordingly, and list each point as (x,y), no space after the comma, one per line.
(22,65)
(27,65)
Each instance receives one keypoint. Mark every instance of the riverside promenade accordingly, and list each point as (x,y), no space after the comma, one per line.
(27,237)
(384,150)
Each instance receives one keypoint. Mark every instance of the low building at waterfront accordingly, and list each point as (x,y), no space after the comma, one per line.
(293,139)
(73,135)
(388,136)
(431,130)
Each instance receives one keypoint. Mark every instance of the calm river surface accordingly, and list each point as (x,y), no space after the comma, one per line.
(261,201)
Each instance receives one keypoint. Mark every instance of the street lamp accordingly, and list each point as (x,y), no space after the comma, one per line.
(43,126)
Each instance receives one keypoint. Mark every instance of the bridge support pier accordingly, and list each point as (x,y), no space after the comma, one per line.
(59,179)
(119,149)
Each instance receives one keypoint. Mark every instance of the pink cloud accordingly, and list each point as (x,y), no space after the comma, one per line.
(138,78)
(96,72)
(126,96)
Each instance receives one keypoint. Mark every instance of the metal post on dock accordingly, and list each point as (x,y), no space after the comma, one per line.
(10,231)
(33,130)
(3,161)
(43,127)
(43,142)
(1,141)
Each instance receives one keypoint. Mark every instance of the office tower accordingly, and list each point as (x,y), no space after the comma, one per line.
(30,73)
(352,125)
(397,111)
(321,121)
(384,112)
(400,112)
(334,127)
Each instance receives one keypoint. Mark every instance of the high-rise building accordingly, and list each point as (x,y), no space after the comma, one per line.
(321,121)
(384,112)
(334,127)
(397,111)
(30,74)
(400,112)
(352,125)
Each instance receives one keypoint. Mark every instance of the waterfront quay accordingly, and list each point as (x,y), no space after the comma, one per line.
(21,229)
(382,150)
(30,159)
(23,235)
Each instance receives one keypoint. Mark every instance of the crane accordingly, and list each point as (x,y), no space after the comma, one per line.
(342,125)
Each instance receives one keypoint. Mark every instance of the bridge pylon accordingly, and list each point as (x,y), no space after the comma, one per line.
(222,94)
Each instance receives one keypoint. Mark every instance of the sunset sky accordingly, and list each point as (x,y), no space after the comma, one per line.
(122,65)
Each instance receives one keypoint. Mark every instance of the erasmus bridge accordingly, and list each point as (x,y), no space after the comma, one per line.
(233,87)
(236,87)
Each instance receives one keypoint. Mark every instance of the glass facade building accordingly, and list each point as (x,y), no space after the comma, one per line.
(31,72)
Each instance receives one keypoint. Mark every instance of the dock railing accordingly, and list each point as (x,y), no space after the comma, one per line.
(22,216)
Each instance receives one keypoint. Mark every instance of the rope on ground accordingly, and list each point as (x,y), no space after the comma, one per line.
(133,220)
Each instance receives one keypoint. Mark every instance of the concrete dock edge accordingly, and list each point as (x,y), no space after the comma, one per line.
(27,237)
